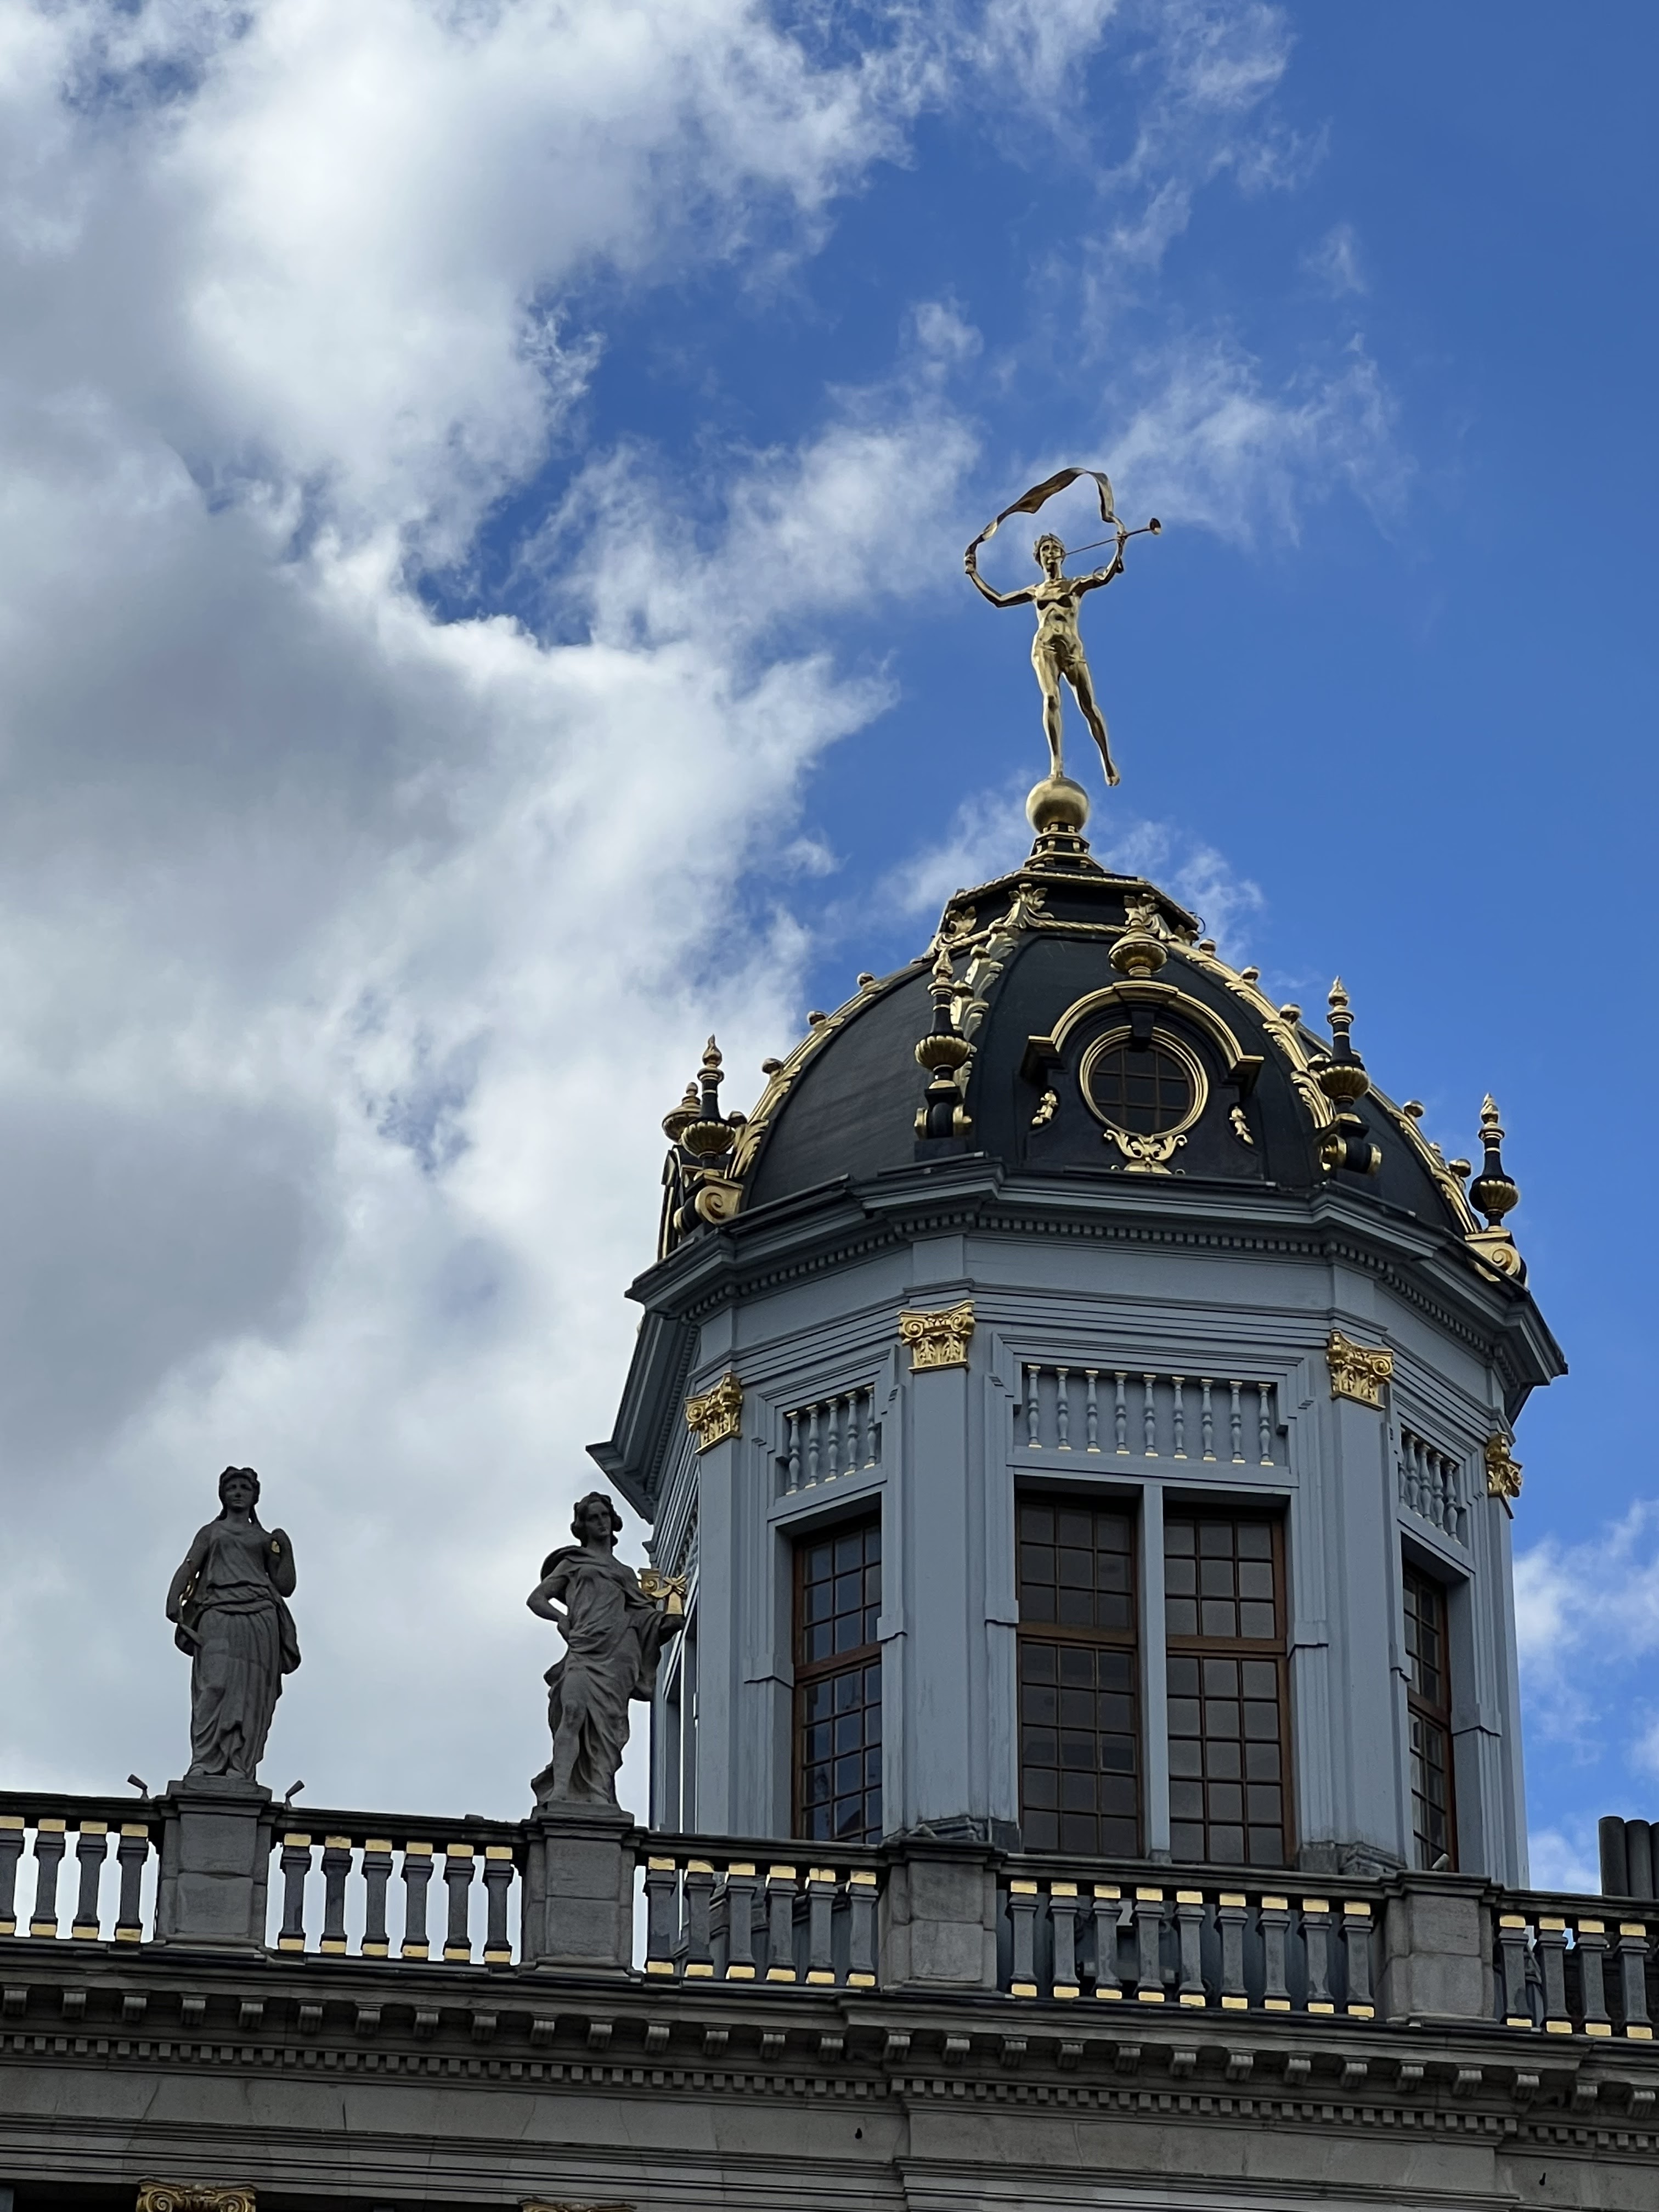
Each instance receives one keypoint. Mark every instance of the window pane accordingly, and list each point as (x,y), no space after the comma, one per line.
(1079,1688)
(1433,1832)
(1226,1712)
(837,1767)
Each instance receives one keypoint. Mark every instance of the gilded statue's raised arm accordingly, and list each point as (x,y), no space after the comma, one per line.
(1113,568)
(1020,599)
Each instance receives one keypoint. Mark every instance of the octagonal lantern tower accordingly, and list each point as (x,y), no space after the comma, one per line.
(1081,1404)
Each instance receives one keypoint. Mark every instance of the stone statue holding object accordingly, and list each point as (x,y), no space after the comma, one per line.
(227,1605)
(614,1624)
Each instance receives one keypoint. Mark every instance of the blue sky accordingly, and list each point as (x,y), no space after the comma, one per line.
(480,600)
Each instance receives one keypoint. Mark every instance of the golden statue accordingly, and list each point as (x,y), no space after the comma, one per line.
(1057,649)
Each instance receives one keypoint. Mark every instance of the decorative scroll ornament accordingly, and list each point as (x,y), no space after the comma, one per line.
(1503,1469)
(191,2196)
(570,2204)
(938,1340)
(1357,1372)
(717,1414)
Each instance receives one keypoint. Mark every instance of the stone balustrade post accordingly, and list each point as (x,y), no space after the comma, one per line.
(1437,1949)
(939,1918)
(216,1857)
(578,1889)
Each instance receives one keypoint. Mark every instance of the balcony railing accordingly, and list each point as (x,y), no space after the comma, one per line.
(376,1868)
(112,1881)
(1575,1966)
(1190,1942)
(724,1913)
(362,1891)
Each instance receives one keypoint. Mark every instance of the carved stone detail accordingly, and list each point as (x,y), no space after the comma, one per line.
(717,1414)
(938,1340)
(1357,1372)
(191,2196)
(1502,1469)
(568,2204)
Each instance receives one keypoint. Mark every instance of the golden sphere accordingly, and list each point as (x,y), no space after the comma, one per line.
(1057,803)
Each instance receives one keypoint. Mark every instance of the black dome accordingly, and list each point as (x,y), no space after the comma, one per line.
(1096,1014)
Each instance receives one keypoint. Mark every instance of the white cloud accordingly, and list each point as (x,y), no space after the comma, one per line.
(333,266)
(1565,1860)
(350,957)
(1212,444)
(1335,262)
(1584,1614)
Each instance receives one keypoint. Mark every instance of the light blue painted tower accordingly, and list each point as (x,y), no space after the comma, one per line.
(1154,1369)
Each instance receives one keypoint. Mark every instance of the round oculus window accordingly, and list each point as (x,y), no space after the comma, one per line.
(1155,1090)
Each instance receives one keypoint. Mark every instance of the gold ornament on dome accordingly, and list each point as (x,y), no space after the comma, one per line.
(938,1340)
(1503,1469)
(716,1414)
(1058,805)
(1357,1370)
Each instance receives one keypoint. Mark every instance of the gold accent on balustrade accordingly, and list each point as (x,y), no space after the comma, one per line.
(716,1414)
(1357,1370)
(938,1340)
(1503,1469)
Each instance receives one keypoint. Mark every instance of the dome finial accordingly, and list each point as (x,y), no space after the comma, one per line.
(1493,1192)
(942,1052)
(1341,1074)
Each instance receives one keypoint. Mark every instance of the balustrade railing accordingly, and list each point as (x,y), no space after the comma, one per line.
(830,1438)
(374,1870)
(1205,1946)
(1133,1412)
(778,1914)
(1563,1971)
(1431,1485)
(719,1912)
(112,1843)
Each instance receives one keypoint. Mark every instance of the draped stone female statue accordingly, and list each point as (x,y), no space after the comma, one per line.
(614,1633)
(226,1604)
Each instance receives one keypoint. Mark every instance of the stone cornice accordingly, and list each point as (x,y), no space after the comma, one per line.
(840,1224)
(478,2032)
